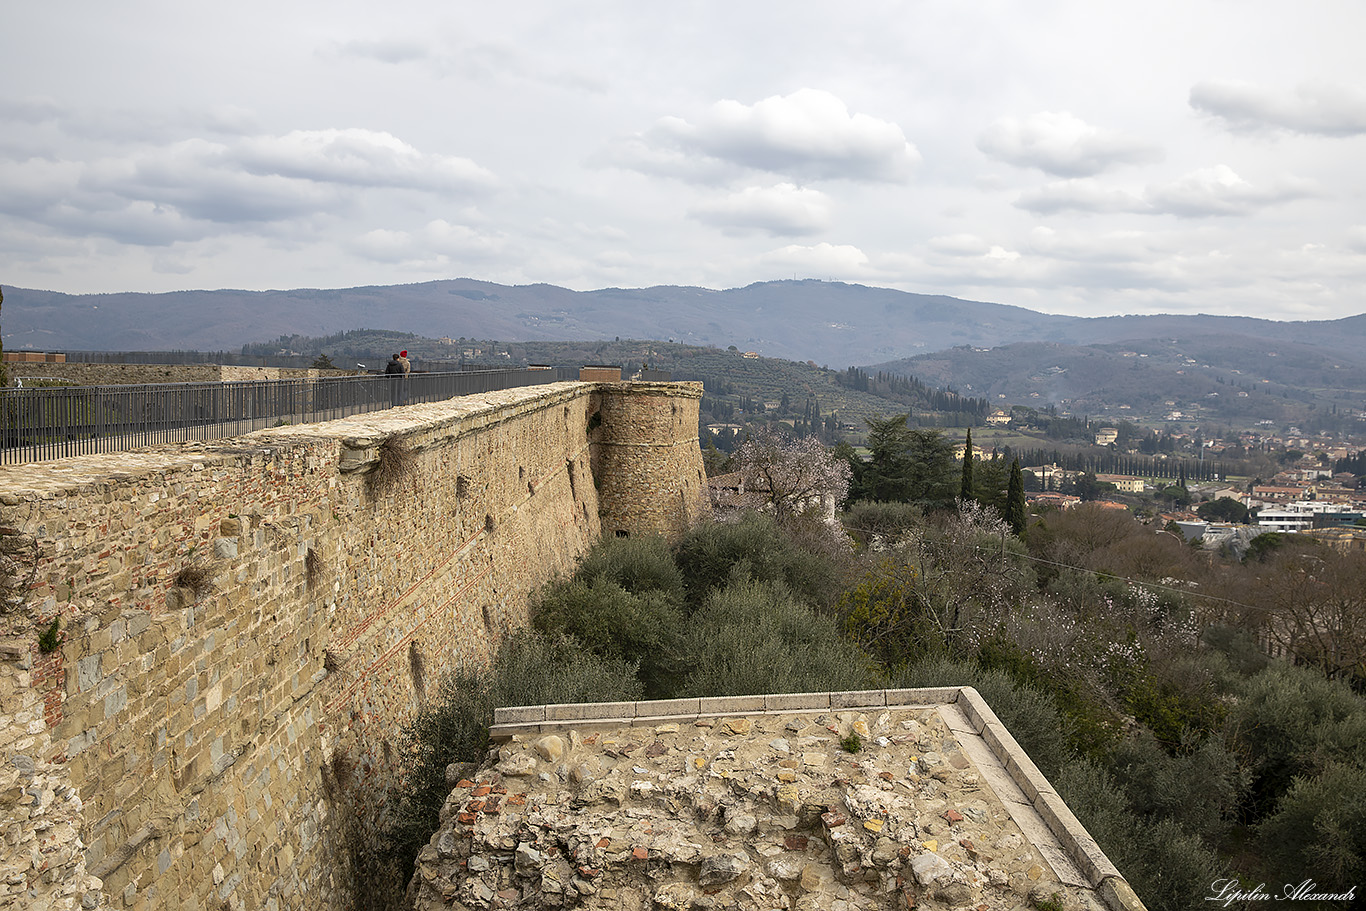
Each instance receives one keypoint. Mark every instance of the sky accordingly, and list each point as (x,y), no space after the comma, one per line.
(1203,156)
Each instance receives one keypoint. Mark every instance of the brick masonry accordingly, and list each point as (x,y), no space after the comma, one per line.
(241,615)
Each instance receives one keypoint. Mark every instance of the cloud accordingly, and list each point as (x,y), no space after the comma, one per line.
(30,110)
(1115,247)
(1081,195)
(783,209)
(1319,108)
(385,50)
(1063,145)
(205,180)
(439,241)
(1220,191)
(647,155)
(1356,238)
(821,259)
(190,189)
(960,245)
(809,134)
(358,157)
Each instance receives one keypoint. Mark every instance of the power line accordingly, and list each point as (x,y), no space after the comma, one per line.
(1096,572)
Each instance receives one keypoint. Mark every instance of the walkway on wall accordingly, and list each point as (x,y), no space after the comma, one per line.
(56,423)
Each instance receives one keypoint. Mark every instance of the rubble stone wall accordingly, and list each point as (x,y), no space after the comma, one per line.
(247,623)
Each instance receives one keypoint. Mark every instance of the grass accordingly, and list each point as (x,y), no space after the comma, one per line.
(198,577)
(51,638)
(395,464)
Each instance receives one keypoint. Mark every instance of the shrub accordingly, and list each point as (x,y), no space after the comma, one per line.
(1319,831)
(199,576)
(50,639)
(1169,868)
(1291,722)
(754,548)
(636,564)
(395,464)
(643,627)
(1198,787)
(754,637)
(1093,726)
(887,615)
(881,524)
(1168,709)
(1243,656)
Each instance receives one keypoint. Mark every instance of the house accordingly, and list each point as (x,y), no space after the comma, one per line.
(1106,435)
(1125,483)
(998,418)
(1058,500)
(1268,493)
(977,452)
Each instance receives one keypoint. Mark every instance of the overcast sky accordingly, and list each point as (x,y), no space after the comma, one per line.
(1070,157)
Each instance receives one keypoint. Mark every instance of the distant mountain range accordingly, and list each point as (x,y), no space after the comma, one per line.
(1238,379)
(826,322)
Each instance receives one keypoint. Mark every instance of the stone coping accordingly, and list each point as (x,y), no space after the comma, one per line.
(1081,848)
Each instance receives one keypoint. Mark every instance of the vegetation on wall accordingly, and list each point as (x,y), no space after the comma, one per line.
(395,463)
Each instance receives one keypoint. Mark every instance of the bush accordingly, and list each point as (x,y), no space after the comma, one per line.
(1170,869)
(1319,831)
(1093,727)
(754,637)
(1168,709)
(1198,788)
(1291,722)
(636,564)
(887,615)
(755,548)
(1242,655)
(881,524)
(642,627)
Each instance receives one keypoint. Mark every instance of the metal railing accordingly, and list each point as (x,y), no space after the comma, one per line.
(59,422)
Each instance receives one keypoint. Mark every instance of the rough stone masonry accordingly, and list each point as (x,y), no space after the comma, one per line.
(839,801)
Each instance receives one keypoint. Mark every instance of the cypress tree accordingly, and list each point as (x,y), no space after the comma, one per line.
(1015,500)
(965,488)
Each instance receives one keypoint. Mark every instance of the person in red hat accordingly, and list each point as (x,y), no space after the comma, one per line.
(407,365)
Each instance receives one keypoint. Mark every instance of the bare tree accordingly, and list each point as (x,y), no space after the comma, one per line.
(1311,605)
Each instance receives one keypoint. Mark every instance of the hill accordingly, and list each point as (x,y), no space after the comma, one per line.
(827,322)
(1227,378)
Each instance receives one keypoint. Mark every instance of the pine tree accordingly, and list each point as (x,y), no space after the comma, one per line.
(1015,500)
(965,488)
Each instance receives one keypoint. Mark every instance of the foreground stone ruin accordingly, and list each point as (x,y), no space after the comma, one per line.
(686,805)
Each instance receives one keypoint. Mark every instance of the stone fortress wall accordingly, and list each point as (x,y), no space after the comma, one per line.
(247,623)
